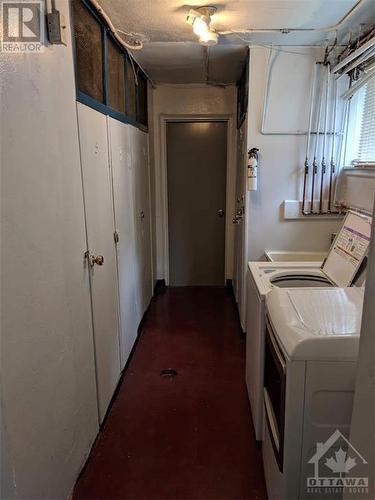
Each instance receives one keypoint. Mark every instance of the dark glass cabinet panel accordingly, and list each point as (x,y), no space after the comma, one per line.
(89,52)
(142,99)
(116,77)
(131,95)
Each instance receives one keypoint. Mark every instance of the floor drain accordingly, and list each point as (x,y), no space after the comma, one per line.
(168,373)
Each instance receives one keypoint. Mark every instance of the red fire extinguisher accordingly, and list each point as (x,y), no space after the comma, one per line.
(252,170)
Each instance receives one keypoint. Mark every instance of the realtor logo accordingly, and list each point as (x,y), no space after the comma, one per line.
(22,25)
(332,461)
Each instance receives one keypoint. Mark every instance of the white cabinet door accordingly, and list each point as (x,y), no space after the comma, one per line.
(137,219)
(124,199)
(100,229)
(143,218)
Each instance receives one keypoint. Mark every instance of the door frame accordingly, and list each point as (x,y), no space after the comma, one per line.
(230,183)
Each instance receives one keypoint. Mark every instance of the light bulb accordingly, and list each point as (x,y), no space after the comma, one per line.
(200,27)
(209,38)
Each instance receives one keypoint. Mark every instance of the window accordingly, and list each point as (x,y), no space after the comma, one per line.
(116,76)
(107,79)
(360,146)
(89,52)
(366,146)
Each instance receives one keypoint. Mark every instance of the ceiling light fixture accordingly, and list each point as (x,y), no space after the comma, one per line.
(200,20)
(209,38)
(200,26)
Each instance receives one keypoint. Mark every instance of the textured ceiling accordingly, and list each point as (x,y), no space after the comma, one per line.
(179,62)
(171,52)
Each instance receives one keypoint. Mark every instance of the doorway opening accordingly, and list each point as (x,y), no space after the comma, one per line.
(196,192)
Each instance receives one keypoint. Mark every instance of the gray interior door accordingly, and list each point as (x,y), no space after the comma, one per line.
(197,157)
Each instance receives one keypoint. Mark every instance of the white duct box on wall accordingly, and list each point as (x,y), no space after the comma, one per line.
(356,188)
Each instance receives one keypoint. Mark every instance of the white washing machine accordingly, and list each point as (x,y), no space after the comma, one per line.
(312,340)
(342,268)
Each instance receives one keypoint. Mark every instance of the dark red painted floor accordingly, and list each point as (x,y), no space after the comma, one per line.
(189,437)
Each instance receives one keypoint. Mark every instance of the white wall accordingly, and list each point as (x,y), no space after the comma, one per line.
(49,408)
(184,101)
(282,156)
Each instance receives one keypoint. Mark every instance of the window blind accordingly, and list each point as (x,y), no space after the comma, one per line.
(366,152)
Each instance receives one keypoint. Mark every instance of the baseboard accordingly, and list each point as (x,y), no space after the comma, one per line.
(159,284)
(229,285)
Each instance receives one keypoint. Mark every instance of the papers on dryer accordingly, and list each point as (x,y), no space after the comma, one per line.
(349,249)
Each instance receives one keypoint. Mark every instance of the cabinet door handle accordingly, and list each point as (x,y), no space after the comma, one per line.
(94,259)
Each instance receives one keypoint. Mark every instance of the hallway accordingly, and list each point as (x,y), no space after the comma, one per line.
(188,437)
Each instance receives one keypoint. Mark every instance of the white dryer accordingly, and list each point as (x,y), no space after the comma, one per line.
(258,286)
(312,340)
(342,268)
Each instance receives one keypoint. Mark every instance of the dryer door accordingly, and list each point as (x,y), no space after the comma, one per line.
(274,393)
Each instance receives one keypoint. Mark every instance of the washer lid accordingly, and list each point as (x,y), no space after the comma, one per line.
(348,250)
(317,324)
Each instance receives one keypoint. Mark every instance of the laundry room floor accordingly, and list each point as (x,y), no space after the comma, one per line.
(184,437)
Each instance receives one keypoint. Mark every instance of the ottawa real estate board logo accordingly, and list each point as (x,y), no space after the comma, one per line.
(338,467)
(22,26)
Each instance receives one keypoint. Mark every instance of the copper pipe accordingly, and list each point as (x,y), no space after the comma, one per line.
(324,164)
(333,166)
(306,174)
(315,162)
(306,165)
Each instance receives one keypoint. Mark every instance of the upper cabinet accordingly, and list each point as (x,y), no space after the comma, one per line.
(108,79)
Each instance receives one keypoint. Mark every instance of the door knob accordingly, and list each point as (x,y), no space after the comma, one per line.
(221,213)
(99,260)
(94,259)
(142,214)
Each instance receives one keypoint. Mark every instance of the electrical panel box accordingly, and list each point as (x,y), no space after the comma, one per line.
(56,28)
